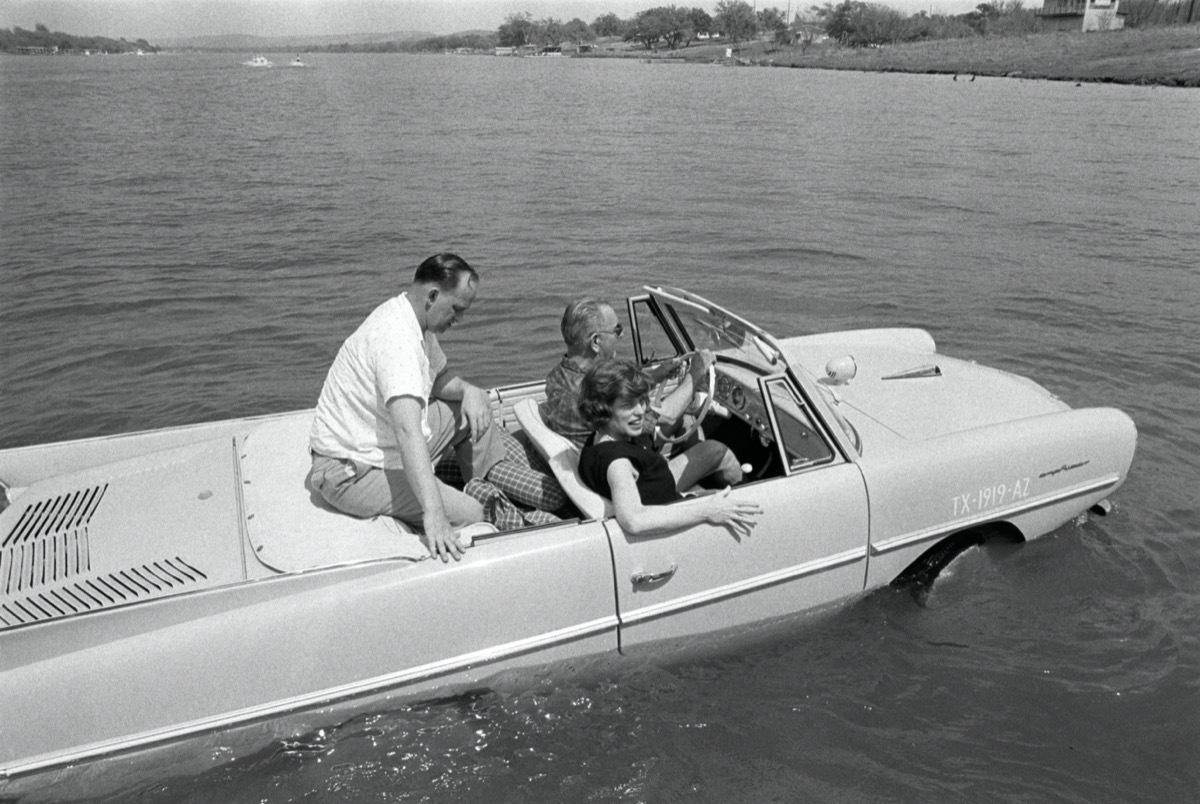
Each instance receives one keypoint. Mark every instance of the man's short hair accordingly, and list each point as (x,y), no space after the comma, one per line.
(580,321)
(608,385)
(444,270)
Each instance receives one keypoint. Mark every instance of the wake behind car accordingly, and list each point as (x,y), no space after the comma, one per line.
(164,584)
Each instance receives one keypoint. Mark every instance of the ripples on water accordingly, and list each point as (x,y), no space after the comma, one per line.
(185,239)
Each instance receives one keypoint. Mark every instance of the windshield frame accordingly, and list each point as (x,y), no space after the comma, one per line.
(756,349)
(730,336)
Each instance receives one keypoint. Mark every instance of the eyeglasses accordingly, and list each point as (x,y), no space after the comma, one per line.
(615,331)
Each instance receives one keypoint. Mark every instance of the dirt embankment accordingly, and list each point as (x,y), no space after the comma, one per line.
(1166,56)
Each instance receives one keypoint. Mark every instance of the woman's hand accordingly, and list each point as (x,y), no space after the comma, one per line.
(736,516)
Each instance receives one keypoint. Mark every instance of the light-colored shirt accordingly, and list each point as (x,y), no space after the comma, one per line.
(386,357)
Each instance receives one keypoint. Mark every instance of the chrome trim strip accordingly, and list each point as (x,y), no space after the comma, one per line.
(695,305)
(320,698)
(240,502)
(741,587)
(994,514)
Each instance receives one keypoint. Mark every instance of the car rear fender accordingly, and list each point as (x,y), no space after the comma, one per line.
(1035,473)
(920,575)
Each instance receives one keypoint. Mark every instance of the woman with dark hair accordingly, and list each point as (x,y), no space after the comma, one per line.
(618,460)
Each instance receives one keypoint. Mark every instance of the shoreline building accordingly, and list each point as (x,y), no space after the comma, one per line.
(1081,15)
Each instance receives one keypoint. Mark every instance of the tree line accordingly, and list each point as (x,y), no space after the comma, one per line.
(848,23)
(43,37)
(853,23)
(862,24)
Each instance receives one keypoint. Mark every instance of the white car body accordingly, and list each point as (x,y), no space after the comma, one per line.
(165,584)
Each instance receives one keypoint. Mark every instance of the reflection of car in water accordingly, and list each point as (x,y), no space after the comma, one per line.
(161,584)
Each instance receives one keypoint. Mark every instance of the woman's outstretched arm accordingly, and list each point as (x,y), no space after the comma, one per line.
(639,519)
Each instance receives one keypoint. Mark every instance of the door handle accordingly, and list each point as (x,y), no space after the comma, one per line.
(642,578)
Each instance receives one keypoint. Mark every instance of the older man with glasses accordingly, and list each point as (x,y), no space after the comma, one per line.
(591,331)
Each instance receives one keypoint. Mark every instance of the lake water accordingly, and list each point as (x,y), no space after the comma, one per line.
(186,239)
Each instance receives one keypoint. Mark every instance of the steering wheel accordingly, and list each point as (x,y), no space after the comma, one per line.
(709,395)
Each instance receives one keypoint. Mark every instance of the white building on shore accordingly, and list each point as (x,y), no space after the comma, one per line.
(1081,15)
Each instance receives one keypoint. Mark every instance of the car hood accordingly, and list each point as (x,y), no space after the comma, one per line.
(920,394)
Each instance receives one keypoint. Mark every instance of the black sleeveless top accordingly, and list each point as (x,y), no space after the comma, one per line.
(655,483)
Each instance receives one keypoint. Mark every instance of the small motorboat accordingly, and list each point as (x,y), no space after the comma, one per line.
(296,62)
(259,60)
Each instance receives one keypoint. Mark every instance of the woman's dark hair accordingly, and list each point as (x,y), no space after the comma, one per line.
(445,271)
(610,384)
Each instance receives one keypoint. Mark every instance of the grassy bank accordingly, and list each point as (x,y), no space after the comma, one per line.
(1168,56)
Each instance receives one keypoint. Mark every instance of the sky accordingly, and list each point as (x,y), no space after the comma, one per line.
(162,19)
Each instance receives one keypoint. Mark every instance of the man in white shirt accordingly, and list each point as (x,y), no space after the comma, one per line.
(388,410)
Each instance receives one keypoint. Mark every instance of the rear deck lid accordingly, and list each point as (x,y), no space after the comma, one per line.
(925,395)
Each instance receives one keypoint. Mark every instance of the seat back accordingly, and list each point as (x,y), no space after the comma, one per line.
(505,398)
(563,458)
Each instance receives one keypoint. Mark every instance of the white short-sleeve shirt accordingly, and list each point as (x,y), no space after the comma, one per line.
(386,357)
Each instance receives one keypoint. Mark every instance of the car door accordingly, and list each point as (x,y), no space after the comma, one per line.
(809,546)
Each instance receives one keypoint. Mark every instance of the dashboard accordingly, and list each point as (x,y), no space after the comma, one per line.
(737,390)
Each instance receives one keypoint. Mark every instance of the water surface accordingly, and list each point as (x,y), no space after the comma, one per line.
(187,239)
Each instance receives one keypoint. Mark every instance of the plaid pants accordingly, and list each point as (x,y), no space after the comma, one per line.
(522,476)
(503,512)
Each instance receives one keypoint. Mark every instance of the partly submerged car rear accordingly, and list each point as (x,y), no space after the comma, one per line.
(950,447)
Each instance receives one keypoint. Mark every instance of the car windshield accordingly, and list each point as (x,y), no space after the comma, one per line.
(709,327)
(733,338)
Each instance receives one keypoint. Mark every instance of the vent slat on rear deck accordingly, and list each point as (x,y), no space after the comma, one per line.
(55,515)
(23,605)
(45,564)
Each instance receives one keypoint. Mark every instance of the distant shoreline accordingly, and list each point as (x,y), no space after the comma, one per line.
(1156,56)
(1160,56)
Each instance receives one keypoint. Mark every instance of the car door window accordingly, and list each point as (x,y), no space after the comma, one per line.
(799,440)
